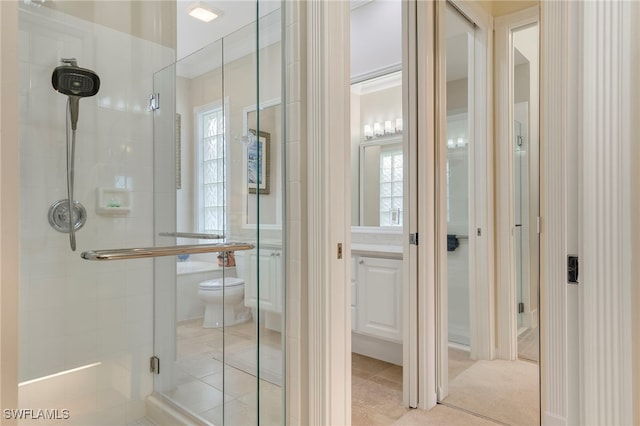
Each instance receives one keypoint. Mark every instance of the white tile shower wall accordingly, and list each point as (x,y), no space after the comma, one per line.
(296,271)
(74,312)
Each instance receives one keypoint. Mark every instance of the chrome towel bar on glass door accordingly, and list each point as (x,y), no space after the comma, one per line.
(139,253)
(192,235)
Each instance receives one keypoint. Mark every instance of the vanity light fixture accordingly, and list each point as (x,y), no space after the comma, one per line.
(203,12)
(381,129)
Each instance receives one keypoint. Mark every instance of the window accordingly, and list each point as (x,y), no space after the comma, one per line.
(391,188)
(211,169)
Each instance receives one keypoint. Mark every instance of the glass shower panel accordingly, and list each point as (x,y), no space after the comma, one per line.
(85,327)
(254,357)
(221,145)
(192,292)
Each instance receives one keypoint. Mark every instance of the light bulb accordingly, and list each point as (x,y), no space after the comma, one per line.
(398,125)
(388,128)
(368,131)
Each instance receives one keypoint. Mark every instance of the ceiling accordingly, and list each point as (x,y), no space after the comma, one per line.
(194,34)
(372,29)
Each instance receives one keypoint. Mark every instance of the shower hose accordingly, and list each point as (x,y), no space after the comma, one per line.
(71,148)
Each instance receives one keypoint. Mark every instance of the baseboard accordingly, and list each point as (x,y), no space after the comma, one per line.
(273,321)
(459,334)
(554,420)
(530,319)
(376,348)
(162,413)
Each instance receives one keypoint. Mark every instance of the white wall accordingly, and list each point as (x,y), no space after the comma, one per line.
(74,312)
(375,38)
(295,249)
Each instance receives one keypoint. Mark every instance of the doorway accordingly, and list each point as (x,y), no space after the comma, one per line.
(378,214)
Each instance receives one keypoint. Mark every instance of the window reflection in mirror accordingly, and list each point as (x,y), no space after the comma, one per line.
(376,152)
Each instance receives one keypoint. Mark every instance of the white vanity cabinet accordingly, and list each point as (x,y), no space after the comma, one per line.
(377,301)
(269,263)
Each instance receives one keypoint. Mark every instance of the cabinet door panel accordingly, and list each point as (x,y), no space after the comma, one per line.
(380,298)
(267,264)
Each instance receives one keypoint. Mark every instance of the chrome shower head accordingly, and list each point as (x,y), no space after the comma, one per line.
(75,82)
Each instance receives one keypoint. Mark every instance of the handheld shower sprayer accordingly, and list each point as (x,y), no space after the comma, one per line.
(74,82)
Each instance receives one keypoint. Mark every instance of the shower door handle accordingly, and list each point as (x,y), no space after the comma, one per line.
(145,252)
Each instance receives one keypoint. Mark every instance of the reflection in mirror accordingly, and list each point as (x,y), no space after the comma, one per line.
(457,143)
(497,384)
(271,141)
(376,154)
(526,194)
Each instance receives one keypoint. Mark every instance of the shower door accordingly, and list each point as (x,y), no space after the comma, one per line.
(218,150)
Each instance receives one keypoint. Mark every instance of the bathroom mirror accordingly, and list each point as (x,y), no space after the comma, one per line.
(526,205)
(268,145)
(381,183)
(376,152)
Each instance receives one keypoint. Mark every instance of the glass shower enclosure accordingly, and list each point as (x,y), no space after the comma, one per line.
(186,155)
(223,122)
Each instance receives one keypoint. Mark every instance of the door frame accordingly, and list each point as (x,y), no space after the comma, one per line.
(328,215)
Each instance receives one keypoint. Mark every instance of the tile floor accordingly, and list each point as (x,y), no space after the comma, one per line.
(202,370)
(377,393)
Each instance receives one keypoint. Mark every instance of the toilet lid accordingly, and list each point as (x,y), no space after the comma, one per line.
(217,283)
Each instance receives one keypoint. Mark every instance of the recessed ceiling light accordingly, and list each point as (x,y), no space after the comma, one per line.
(203,12)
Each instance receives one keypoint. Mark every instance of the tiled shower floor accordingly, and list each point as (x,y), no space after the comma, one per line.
(200,373)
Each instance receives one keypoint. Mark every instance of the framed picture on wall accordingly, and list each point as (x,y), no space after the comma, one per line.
(258,162)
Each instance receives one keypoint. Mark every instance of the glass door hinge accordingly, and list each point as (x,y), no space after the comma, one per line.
(154,101)
(154,365)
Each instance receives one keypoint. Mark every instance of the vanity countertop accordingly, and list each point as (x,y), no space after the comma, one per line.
(377,250)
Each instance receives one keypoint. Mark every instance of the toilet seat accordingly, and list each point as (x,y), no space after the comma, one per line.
(218,283)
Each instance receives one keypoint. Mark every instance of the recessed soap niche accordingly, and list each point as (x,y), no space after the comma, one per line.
(113,201)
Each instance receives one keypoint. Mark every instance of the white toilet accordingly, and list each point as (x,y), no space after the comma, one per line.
(223,299)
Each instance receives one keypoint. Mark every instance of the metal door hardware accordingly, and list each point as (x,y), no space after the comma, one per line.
(154,101)
(154,365)
(572,269)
